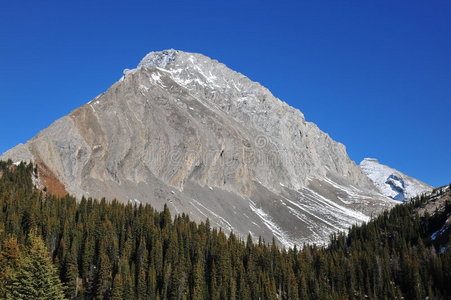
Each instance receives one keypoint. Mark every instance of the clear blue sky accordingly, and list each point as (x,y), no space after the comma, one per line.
(375,75)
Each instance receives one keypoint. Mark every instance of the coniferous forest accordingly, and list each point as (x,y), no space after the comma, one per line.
(60,248)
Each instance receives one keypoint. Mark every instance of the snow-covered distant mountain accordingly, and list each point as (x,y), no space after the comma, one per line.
(391,182)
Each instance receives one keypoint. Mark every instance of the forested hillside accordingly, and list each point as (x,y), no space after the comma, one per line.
(102,250)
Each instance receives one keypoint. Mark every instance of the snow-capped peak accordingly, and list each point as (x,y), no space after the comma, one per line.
(391,182)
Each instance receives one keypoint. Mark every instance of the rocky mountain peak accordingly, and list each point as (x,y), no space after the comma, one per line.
(159,59)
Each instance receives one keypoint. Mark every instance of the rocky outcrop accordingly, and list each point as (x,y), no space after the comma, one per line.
(184,130)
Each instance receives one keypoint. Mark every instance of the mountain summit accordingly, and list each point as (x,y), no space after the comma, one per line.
(184,130)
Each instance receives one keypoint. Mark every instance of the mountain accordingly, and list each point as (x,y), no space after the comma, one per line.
(184,130)
(391,182)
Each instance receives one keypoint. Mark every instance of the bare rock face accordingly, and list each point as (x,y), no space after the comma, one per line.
(185,130)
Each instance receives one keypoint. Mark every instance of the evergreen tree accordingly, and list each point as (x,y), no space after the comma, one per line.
(117,292)
(69,275)
(9,262)
(36,277)
(103,278)
(198,282)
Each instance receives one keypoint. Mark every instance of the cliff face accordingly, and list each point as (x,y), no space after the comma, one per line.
(185,130)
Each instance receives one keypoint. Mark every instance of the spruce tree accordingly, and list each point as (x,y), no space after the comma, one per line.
(69,275)
(118,288)
(36,277)
(9,259)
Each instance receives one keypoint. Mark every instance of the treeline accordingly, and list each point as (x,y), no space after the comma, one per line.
(103,250)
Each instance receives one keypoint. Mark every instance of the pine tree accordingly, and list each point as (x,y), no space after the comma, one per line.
(141,286)
(36,277)
(103,277)
(9,259)
(69,275)
(165,217)
(152,283)
(198,282)
(118,289)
